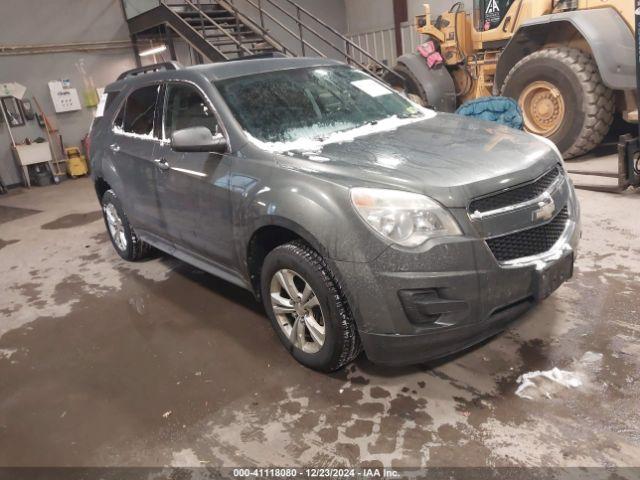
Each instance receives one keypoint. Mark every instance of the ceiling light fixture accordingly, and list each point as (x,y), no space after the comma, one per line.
(153,50)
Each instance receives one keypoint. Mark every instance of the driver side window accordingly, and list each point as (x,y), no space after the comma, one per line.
(184,108)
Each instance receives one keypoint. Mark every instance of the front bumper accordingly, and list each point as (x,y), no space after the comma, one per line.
(411,307)
(396,349)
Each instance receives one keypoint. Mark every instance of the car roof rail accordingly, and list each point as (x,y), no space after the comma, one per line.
(156,67)
(258,56)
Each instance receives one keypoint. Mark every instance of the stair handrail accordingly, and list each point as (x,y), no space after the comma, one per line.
(301,25)
(229,6)
(263,30)
(346,40)
(216,24)
(249,23)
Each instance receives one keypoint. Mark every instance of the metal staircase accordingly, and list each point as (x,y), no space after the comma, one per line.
(218,30)
(223,30)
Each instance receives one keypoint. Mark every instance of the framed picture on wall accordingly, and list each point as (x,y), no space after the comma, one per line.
(13,110)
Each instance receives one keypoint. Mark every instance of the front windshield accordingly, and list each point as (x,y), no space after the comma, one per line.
(313,103)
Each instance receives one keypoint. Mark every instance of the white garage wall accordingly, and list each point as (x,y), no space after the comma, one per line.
(366,15)
(36,22)
(370,25)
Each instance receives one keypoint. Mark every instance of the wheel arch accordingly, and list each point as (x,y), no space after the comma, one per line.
(294,200)
(602,32)
(268,234)
(101,186)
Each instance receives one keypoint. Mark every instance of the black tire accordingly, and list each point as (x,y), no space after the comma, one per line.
(414,88)
(589,104)
(341,342)
(135,248)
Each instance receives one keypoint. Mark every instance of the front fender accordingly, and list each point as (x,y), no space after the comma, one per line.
(609,37)
(315,208)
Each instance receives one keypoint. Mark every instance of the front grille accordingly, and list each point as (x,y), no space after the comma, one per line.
(515,195)
(529,242)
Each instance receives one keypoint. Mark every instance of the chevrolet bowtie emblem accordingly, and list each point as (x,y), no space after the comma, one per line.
(546,208)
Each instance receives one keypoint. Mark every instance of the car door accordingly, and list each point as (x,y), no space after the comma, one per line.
(194,186)
(133,143)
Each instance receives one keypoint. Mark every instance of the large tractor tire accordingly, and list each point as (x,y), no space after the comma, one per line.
(413,87)
(563,98)
(430,87)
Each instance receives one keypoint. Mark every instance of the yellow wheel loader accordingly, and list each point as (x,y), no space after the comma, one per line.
(570,64)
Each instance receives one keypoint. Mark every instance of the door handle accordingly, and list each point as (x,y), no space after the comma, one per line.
(162,163)
(114,147)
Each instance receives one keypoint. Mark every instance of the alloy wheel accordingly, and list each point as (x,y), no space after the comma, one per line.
(297,310)
(116,228)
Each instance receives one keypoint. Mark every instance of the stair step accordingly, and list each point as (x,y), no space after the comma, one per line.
(219,34)
(210,13)
(206,22)
(193,11)
(230,27)
(204,8)
(184,5)
(226,24)
(242,41)
(240,29)
(217,18)
(268,48)
(221,37)
(193,14)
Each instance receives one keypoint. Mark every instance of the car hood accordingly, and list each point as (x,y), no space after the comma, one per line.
(448,157)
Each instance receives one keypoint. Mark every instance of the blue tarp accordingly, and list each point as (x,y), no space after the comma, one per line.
(495,109)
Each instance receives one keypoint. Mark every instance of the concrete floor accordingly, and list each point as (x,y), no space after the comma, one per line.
(104,362)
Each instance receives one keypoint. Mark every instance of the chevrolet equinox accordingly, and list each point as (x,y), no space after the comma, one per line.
(360,219)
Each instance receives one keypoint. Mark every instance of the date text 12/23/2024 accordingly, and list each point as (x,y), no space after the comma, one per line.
(274,472)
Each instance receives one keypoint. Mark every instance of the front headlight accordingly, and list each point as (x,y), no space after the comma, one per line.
(405,218)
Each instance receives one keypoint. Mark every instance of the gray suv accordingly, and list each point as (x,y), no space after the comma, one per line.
(360,219)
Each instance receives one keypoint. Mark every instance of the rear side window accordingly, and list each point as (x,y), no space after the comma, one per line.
(185,108)
(138,113)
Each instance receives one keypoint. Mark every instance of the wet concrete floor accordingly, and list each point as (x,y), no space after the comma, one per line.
(104,363)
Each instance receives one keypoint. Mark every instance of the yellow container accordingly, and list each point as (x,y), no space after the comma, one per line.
(76,163)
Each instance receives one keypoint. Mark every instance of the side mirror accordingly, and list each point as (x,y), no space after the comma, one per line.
(197,139)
